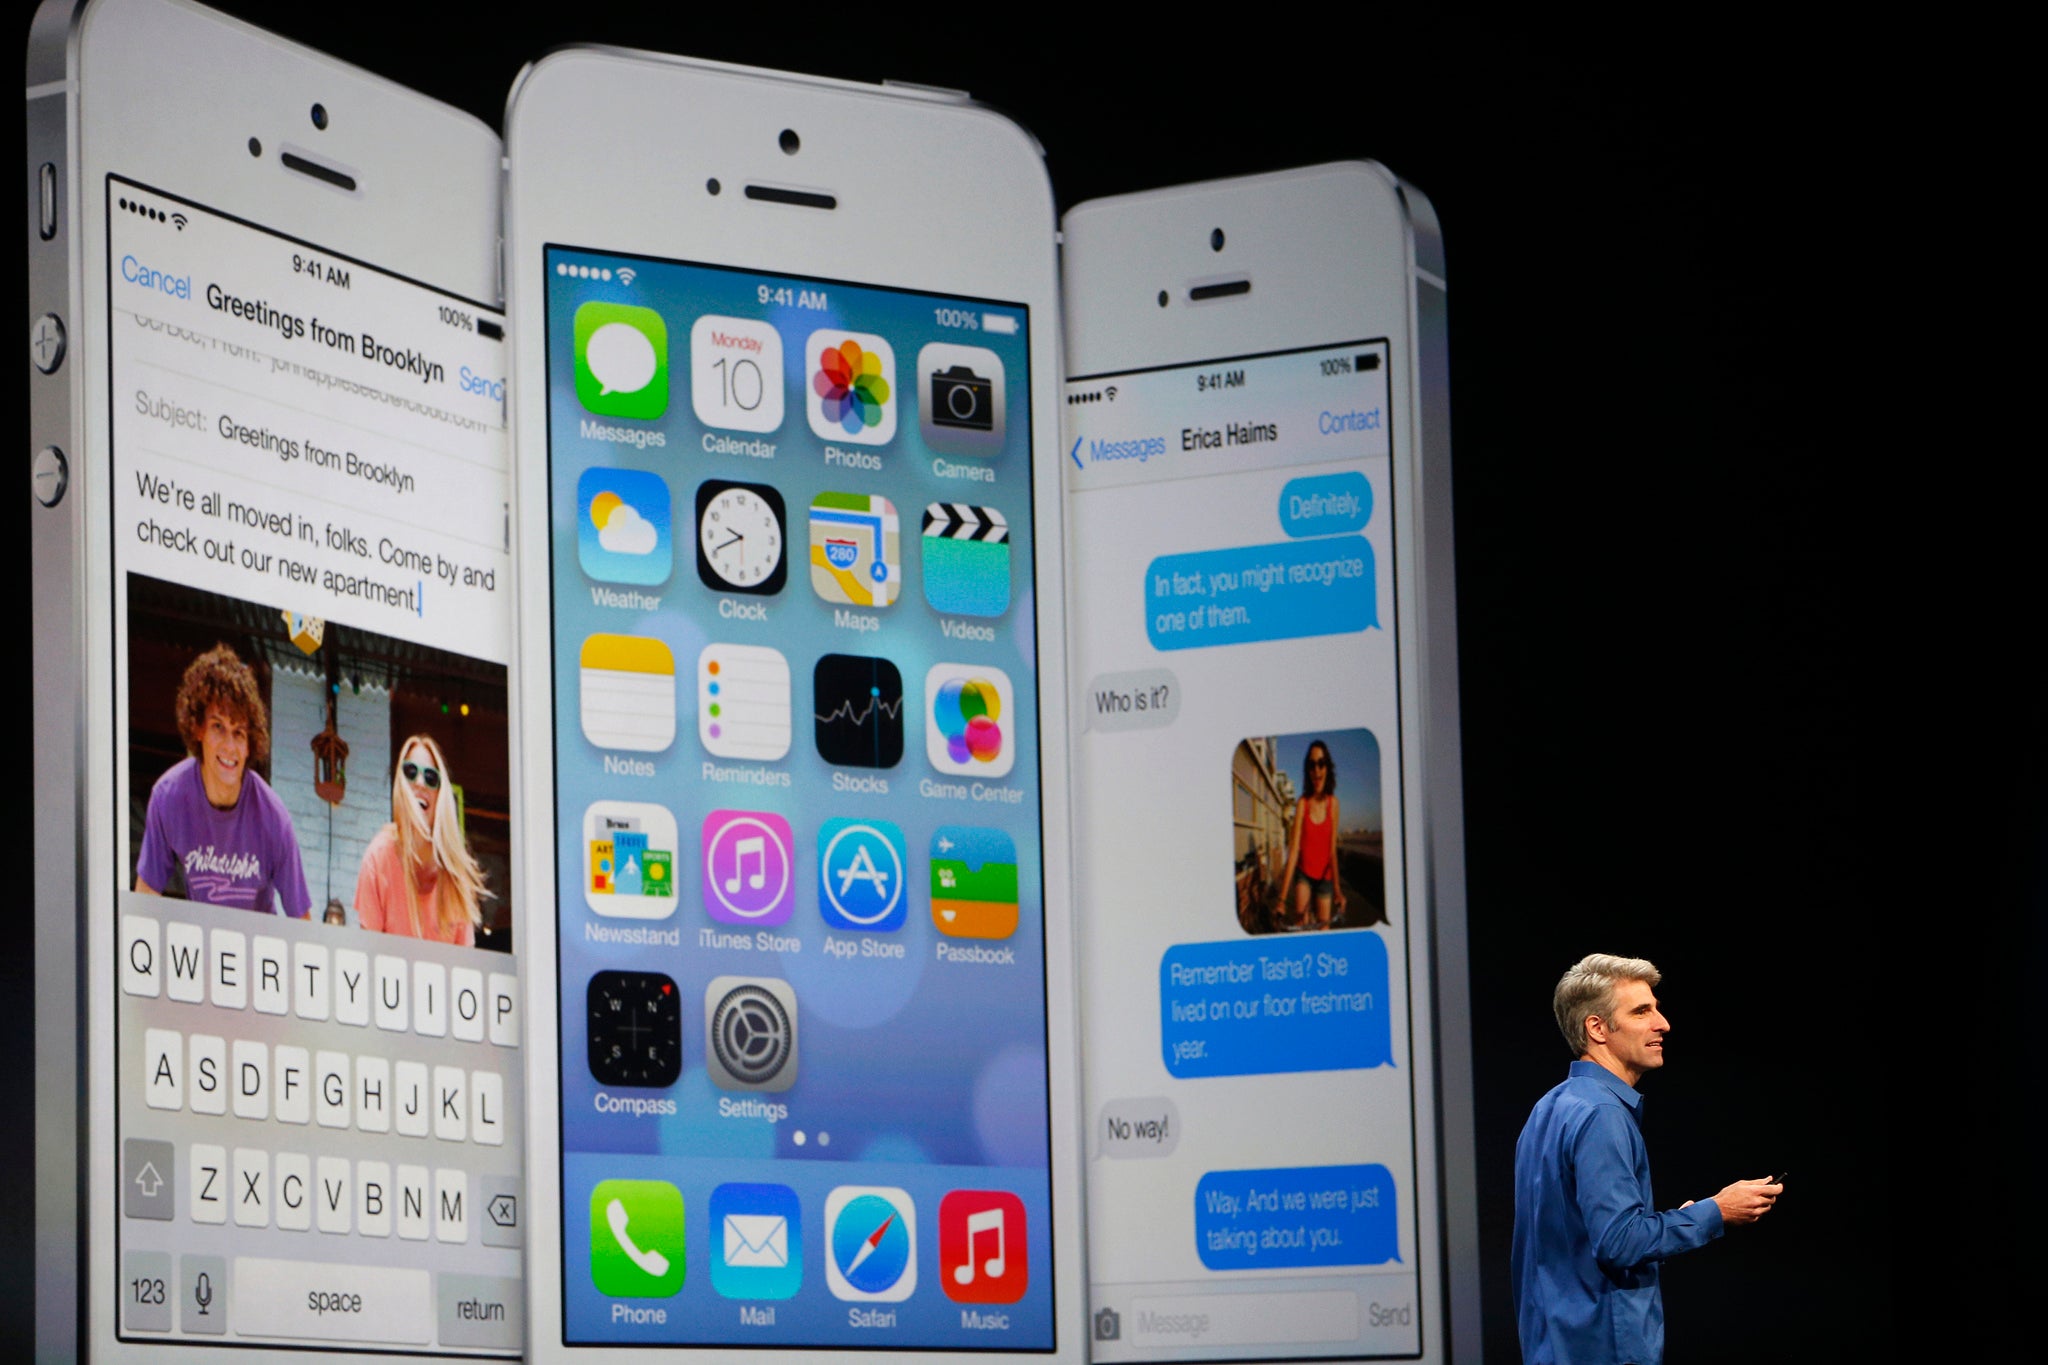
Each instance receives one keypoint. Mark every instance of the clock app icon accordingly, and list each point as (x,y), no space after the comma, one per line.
(636,1029)
(741,531)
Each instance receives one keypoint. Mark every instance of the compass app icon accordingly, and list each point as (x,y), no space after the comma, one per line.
(861,866)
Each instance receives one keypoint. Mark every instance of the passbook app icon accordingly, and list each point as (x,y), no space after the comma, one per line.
(628,685)
(760,1242)
(974,882)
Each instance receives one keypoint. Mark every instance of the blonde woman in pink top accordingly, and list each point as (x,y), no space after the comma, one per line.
(417,876)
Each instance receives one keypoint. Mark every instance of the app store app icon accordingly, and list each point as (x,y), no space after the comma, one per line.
(861,870)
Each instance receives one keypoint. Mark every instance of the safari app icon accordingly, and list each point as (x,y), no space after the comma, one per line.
(621,360)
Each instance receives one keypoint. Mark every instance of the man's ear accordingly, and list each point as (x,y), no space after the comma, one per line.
(1596,1029)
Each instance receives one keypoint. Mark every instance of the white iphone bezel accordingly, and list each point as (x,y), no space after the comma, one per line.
(611,150)
(169,93)
(1334,253)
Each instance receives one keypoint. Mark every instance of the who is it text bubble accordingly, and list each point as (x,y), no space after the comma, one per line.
(1248,593)
(1138,1128)
(1298,1216)
(1143,699)
(1303,1003)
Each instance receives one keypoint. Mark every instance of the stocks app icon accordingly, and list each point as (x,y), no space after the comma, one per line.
(857,703)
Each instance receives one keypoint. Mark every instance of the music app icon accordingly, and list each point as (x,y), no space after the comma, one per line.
(982,1246)
(747,860)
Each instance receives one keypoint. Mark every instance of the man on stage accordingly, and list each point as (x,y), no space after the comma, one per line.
(1588,1242)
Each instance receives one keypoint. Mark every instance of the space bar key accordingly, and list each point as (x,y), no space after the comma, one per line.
(329,1302)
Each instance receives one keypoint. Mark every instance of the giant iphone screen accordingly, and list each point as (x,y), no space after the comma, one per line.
(799,900)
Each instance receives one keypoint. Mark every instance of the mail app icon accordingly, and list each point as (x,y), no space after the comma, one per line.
(760,1254)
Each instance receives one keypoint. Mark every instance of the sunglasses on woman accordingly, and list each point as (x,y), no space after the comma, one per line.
(414,773)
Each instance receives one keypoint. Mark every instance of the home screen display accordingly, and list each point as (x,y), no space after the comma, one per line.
(798,844)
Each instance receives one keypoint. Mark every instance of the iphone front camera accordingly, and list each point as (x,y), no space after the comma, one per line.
(1162,298)
(790,141)
(320,117)
(1216,239)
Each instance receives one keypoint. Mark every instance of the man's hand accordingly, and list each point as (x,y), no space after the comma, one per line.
(1747,1200)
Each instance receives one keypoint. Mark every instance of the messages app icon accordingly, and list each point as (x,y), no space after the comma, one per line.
(623,532)
(760,1242)
(621,361)
(636,1239)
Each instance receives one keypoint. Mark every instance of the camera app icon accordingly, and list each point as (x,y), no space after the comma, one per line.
(1109,1325)
(960,407)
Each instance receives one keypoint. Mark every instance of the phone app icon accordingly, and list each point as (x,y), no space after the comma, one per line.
(628,693)
(974,882)
(982,1246)
(741,531)
(636,1239)
(760,1247)
(748,868)
(960,399)
(850,393)
(966,559)
(635,1024)
(622,526)
(857,704)
(971,720)
(856,554)
(750,1033)
(621,360)
(861,869)
(870,1243)
(743,702)
(629,860)
(736,373)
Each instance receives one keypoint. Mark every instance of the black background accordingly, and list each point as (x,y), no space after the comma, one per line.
(1670,631)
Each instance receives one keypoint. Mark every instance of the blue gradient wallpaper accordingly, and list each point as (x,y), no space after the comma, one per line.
(828,1027)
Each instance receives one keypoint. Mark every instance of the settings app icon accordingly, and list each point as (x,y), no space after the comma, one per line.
(750,1033)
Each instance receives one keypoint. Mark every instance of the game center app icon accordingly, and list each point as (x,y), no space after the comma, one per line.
(861,870)
(974,882)
(850,387)
(983,1256)
(966,559)
(970,720)
(629,860)
(636,1239)
(622,526)
(621,361)
(736,373)
(748,867)
(856,549)
(960,399)
(870,1243)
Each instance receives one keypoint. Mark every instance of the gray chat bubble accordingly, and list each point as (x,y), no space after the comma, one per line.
(1138,1128)
(1143,699)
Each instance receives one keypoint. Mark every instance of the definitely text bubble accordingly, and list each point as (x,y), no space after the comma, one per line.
(1143,699)
(1249,593)
(1325,504)
(621,357)
(1299,1216)
(1313,1003)
(1138,1128)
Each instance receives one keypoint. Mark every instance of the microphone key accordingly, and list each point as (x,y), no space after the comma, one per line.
(203,1294)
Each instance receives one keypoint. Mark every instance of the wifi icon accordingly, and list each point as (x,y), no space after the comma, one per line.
(626,274)
(1110,392)
(180,219)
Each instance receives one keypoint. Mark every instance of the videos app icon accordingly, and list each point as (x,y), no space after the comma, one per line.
(966,559)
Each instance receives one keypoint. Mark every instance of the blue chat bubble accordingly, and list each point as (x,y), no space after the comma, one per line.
(1309,1003)
(1248,593)
(1325,504)
(1303,1215)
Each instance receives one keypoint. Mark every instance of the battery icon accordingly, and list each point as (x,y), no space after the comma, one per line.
(1368,361)
(1003,324)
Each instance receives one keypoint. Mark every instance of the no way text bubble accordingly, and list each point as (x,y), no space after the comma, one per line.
(1309,1003)
(1300,1216)
(1138,1128)
(1143,699)
(1248,593)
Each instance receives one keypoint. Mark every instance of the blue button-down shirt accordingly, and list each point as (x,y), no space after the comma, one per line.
(1587,1237)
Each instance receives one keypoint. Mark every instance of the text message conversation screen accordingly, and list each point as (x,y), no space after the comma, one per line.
(1251,1089)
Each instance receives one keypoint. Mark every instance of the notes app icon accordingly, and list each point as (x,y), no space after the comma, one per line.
(974,882)
(629,693)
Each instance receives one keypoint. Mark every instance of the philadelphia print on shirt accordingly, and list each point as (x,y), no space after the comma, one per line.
(246,856)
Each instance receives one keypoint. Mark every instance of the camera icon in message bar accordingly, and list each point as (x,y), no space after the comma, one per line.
(960,403)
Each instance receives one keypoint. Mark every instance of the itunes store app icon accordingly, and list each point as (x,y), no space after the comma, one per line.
(747,867)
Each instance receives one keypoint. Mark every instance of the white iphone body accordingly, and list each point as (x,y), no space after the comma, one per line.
(279,1075)
(793,718)
(1267,773)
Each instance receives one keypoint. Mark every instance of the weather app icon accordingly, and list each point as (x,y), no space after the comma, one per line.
(860,875)
(622,526)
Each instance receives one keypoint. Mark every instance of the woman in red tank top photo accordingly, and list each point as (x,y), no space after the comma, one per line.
(1311,883)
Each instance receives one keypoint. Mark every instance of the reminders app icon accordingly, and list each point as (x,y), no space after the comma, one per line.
(622,526)
(629,693)
(760,1240)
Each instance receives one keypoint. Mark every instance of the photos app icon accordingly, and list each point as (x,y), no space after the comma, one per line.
(850,392)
